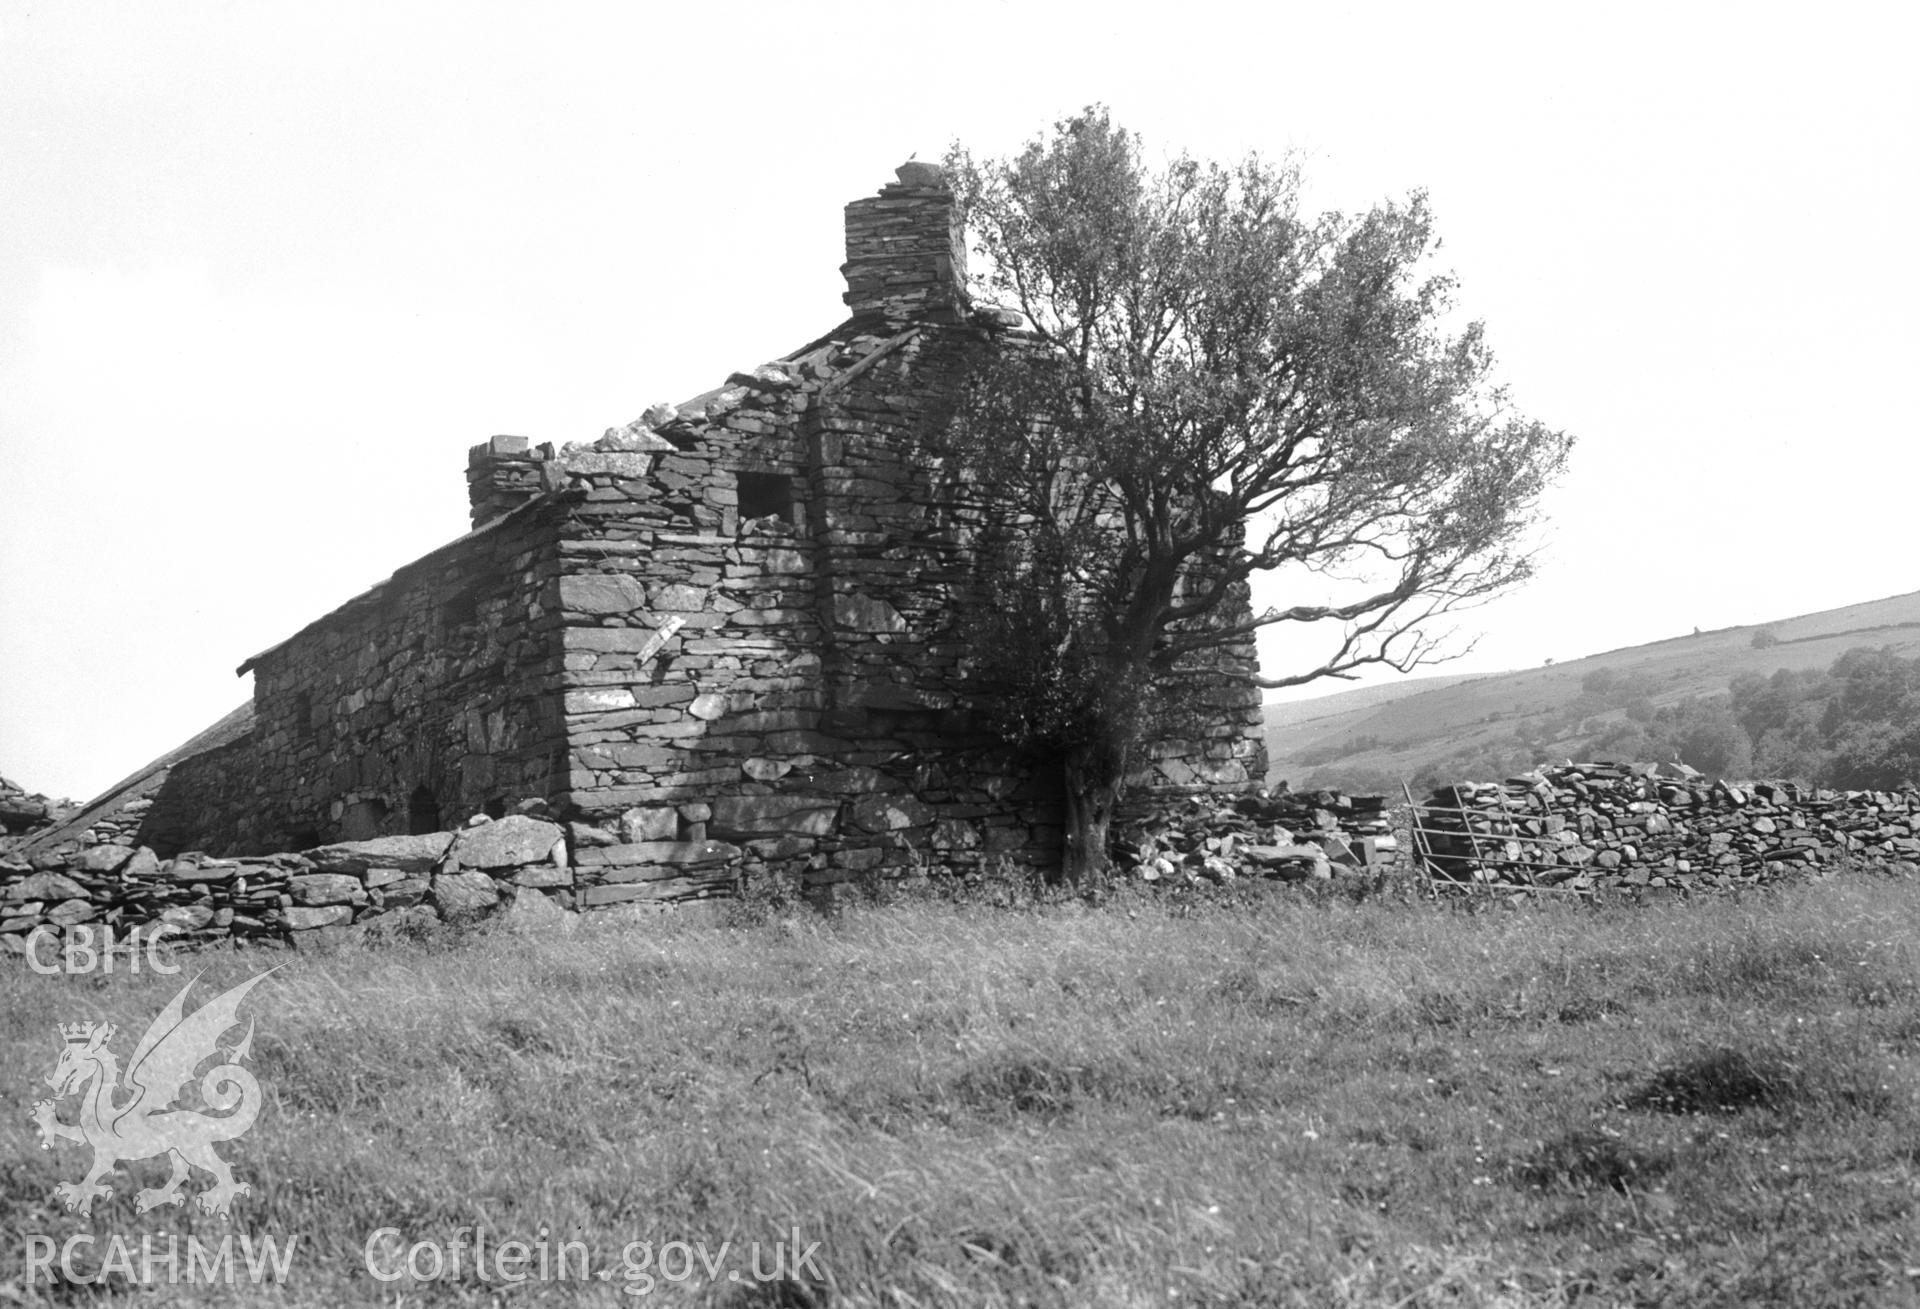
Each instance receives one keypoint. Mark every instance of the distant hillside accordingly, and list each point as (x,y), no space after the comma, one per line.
(1305,716)
(1370,736)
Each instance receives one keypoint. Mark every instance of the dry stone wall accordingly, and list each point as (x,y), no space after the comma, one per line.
(1590,828)
(114,892)
(1603,825)
(106,891)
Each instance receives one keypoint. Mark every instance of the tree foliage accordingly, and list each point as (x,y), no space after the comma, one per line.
(1216,386)
(1855,725)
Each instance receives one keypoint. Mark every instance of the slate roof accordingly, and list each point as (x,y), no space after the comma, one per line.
(142,784)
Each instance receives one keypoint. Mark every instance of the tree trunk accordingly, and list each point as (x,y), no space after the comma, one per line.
(1093,773)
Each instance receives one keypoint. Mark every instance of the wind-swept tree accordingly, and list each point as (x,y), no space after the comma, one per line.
(1213,387)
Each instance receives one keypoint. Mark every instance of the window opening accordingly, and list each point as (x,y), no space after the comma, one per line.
(768,495)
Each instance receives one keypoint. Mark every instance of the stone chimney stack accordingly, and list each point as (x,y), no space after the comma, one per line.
(502,473)
(907,250)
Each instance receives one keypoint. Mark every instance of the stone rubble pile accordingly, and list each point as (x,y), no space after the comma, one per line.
(1601,825)
(24,812)
(517,864)
(1219,838)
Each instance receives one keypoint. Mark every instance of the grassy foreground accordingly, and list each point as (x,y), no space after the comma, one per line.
(1289,1100)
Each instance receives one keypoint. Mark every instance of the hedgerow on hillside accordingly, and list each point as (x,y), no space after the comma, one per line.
(1855,725)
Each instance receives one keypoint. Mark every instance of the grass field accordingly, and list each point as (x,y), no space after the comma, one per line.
(1285,1099)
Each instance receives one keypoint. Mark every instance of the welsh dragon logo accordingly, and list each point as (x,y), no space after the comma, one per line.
(144,1124)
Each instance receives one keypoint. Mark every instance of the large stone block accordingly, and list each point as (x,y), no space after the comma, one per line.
(658,852)
(602,593)
(599,700)
(531,909)
(608,640)
(69,912)
(406,891)
(608,802)
(203,870)
(773,815)
(506,843)
(143,864)
(586,834)
(863,613)
(325,888)
(883,813)
(410,854)
(191,917)
(626,754)
(953,834)
(104,858)
(667,598)
(463,895)
(596,896)
(45,886)
(767,617)
(411,920)
(649,823)
(655,696)
(301,919)
(619,463)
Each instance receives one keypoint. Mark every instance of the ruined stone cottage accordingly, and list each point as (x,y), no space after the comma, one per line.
(730,633)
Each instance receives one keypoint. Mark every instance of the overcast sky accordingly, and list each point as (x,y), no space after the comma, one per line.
(268,270)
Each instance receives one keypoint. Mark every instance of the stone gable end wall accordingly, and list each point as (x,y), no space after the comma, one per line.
(779,692)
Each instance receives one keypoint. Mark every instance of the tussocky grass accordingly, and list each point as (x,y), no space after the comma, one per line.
(1265,1098)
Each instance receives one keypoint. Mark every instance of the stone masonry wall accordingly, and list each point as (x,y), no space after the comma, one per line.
(433,695)
(1600,826)
(906,250)
(1224,747)
(749,690)
(780,683)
